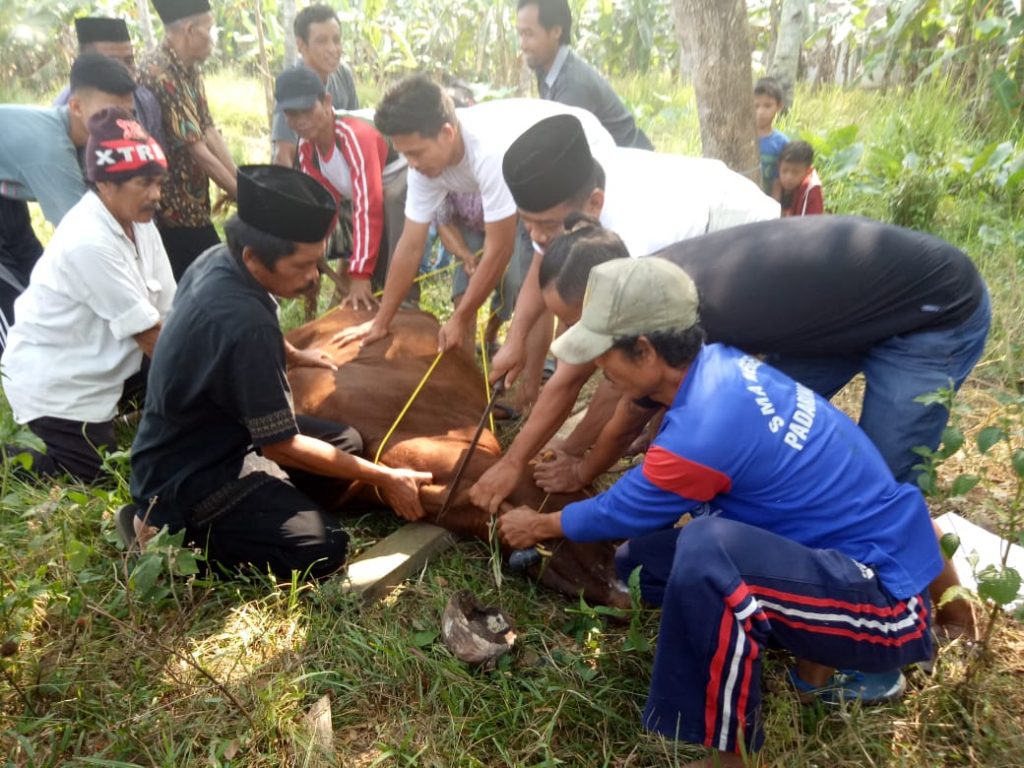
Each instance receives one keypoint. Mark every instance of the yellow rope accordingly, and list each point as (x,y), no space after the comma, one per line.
(433,365)
(424,276)
(401,415)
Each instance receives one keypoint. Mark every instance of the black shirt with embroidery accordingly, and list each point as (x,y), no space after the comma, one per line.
(825,285)
(217,389)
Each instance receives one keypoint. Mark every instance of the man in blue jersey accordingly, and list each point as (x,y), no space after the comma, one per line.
(798,535)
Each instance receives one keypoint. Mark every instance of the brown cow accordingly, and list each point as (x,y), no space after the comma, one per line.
(368,391)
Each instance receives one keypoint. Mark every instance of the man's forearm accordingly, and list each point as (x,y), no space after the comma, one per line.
(549,413)
(405,262)
(222,176)
(318,457)
(529,305)
(147,339)
(621,430)
(220,150)
(284,153)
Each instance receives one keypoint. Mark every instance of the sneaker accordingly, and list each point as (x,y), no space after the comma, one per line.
(852,685)
(124,521)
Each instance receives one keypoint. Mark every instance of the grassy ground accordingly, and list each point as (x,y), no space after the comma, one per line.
(100,669)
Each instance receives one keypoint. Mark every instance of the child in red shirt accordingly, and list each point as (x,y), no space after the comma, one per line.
(801,185)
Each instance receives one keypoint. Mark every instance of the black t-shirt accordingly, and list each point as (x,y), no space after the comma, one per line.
(217,387)
(825,285)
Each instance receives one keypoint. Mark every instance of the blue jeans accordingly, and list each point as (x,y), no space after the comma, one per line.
(898,370)
(503,301)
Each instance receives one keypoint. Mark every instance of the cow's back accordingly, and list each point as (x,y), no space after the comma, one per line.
(368,391)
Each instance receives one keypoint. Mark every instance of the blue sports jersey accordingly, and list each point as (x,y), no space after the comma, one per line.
(770,146)
(743,441)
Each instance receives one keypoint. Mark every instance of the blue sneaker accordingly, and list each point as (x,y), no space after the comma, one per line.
(852,685)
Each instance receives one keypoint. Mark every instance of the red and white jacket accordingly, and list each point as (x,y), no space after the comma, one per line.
(807,198)
(366,152)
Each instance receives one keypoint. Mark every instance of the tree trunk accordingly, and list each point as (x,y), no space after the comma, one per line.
(788,45)
(716,33)
(146,24)
(291,56)
(266,78)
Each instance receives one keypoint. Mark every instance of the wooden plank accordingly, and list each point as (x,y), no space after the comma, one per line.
(393,559)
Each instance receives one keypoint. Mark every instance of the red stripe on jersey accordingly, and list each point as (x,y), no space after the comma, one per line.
(683,477)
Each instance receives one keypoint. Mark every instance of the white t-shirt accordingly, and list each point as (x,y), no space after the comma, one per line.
(71,347)
(336,170)
(488,130)
(653,200)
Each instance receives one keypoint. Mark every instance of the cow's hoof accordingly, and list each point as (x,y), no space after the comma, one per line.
(474,633)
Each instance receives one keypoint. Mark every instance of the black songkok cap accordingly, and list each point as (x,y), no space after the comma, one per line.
(285,203)
(548,164)
(171,11)
(94,70)
(96,29)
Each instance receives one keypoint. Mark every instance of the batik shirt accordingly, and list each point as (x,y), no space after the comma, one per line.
(186,118)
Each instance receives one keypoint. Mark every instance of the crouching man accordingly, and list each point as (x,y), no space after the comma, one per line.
(94,304)
(220,452)
(798,535)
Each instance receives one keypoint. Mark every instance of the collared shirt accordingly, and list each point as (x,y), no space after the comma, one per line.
(812,286)
(747,443)
(487,131)
(342,88)
(574,82)
(186,118)
(92,290)
(654,200)
(147,110)
(38,160)
(217,387)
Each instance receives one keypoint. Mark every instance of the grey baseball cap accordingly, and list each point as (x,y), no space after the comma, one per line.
(629,297)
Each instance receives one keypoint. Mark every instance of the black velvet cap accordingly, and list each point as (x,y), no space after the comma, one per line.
(548,164)
(94,70)
(97,29)
(285,203)
(171,11)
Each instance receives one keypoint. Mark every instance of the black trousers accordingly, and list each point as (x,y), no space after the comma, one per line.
(283,526)
(19,252)
(76,447)
(185,244)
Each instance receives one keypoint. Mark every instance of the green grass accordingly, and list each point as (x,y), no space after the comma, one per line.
(94,673)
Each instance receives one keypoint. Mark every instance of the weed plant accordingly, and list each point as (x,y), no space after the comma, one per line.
(97,668)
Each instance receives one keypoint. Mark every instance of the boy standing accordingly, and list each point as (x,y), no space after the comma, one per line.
(800,183)
(767,104)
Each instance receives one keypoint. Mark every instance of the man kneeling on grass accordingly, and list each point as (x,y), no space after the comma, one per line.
(220,452)
(798,535)
(94,305)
